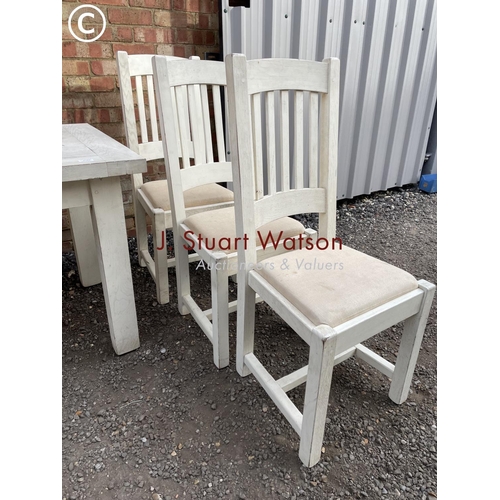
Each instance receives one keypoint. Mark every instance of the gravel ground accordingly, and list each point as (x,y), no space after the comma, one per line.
(163,423)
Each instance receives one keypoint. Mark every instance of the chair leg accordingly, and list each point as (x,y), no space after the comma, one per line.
(319,379)
(414,328)
(181,272)
(141,230)
(160,258)
(220,312)
(245,323)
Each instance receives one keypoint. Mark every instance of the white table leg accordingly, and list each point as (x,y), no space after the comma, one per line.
(114,262)
(82,234)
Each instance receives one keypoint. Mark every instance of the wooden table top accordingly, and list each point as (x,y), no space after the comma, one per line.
(88,153)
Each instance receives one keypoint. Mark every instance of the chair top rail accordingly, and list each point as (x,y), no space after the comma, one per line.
(141,64)
(285,74)
(195,72)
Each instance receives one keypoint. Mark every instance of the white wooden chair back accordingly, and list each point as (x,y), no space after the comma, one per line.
(143,138)
(284,88)
(138,69)
(191,90)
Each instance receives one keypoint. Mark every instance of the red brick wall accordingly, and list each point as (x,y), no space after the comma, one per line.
(90,92)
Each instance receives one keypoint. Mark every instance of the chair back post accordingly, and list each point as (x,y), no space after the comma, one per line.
(127,100)
(240,130)
(168,131)
(329,132)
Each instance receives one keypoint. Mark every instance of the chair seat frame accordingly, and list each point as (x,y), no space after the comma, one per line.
(329,347)
(162,221)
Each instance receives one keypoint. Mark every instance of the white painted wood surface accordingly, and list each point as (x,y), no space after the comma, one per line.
(92,163)
(329,344)
(139,68)
(183,82)
(186,83)
(135,68)
(88,153)
(82,235)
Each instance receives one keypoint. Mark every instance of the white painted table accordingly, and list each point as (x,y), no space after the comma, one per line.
(92,163)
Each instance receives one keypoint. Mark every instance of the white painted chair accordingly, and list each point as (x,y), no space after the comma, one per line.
(191,83)
(152,198)
(334,299)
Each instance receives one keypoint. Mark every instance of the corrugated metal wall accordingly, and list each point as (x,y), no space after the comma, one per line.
(387,50)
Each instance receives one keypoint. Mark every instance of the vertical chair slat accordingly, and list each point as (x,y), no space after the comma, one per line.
(206,124)
(175,118)
(152,107)
(313,140)
(298,140)
(226,117)
(271,143)
(285,141)
(257,145)
(183,117)
(196,120)
(219,128)
(142,111)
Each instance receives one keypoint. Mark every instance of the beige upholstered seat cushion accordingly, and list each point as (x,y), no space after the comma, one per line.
(333,286)
(209,194)
(220,223)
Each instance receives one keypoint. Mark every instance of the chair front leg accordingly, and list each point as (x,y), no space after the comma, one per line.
(181,270)
(319,379)
(160,258)
(220,312)
(413,333)
(245,322)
